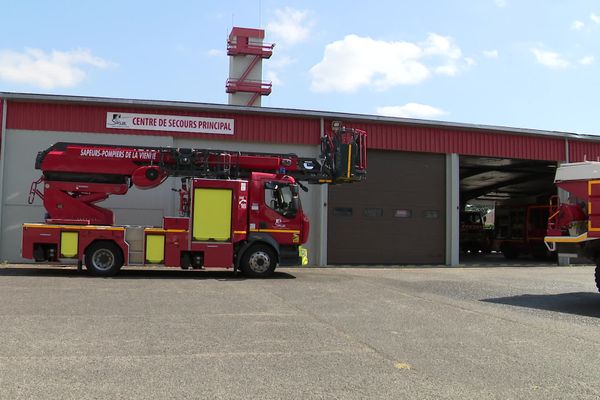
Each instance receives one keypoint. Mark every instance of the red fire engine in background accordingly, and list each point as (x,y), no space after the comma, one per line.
(237,210)
(574,224)
(520,230)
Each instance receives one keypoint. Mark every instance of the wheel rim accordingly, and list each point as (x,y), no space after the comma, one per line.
(259,262)
(103,259)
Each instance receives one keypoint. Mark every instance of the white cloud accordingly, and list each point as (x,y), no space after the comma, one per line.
(587,60)
(216,53)
(277,66)
(291,26)
(48,70)
(358,61)
(441,45)
(595,18)
(500,3)
(274,78)
(445,47)
(355,61)
(411,110)
(490,54)
(449,70)
(280,62)
(577,25)
(550,59)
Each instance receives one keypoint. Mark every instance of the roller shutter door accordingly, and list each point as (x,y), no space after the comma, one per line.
(397,216)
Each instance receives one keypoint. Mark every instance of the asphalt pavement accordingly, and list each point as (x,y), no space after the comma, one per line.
(307,333)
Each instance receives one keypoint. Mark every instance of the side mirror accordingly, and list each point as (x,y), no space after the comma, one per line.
(304,188)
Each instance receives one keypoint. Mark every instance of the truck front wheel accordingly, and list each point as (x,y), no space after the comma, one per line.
(259,261)
(103,258)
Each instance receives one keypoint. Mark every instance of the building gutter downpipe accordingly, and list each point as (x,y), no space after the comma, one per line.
(2,158)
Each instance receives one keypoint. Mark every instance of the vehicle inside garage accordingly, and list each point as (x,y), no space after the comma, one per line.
(504,207)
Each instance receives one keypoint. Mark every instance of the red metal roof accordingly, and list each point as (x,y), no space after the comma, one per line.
(465,142)
(92,118)
(583,150)
(72,114)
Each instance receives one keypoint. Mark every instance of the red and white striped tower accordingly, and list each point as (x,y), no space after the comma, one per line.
(246,50)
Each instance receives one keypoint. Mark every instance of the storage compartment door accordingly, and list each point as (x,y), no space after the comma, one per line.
(155,249)
(212,214)
(69,242)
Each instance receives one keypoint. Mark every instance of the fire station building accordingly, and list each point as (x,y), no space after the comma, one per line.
(420,173)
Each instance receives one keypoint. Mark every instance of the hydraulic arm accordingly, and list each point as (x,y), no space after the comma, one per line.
(76,176)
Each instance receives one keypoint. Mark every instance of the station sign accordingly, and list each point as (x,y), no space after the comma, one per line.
(170,123)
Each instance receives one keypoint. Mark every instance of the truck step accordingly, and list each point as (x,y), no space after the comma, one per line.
(136,257)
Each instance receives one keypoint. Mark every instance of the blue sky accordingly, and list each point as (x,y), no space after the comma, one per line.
(525,64)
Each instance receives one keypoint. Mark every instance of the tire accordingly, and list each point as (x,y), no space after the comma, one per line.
(259,261)
(103,258)
(597,276)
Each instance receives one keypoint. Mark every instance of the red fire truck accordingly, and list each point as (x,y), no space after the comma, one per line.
(237,210)
(574,224)
(520,230)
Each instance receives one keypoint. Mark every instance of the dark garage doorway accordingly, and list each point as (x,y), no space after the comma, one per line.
(504,209)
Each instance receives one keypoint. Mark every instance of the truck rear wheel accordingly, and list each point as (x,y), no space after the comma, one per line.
(103,258)
(259,261)
(597,276)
